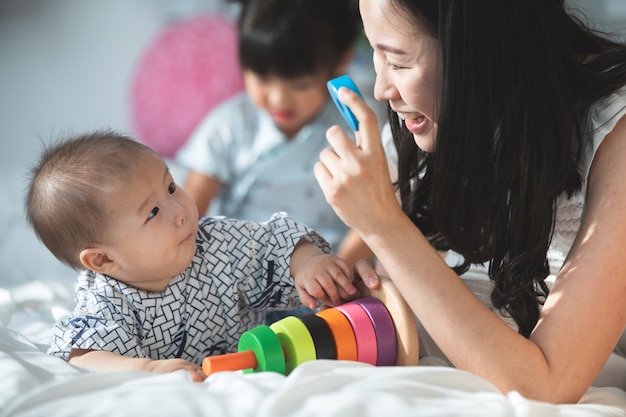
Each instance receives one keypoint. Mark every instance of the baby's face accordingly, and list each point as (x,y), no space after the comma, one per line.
(154,226)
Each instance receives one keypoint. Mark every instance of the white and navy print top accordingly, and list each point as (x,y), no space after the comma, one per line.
(239,271)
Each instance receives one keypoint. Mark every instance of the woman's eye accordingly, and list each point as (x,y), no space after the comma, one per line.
(171,188)
(153,213)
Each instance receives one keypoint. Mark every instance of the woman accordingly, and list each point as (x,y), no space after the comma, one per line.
(519,117)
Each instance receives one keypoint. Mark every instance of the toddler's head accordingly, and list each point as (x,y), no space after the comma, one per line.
(296,38)
(288,49)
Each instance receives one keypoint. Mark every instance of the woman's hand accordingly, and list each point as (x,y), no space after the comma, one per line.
(354,177)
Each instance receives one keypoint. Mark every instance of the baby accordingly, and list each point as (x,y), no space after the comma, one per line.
(160,290)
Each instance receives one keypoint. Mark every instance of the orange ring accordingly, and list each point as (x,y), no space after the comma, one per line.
(343,335)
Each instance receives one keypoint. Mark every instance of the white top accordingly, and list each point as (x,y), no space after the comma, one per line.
(261,170)
(600,121)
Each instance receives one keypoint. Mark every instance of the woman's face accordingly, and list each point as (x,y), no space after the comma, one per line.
(408,68)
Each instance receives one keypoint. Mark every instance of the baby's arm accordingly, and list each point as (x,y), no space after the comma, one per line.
(102,360)
(319,275)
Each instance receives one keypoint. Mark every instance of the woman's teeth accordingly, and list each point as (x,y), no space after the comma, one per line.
(412,116)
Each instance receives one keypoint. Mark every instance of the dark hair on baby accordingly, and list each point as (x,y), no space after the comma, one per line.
(293,38)
(66,198)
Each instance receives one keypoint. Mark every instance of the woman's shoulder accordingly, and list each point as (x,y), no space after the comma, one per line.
(601,119)
(604,114)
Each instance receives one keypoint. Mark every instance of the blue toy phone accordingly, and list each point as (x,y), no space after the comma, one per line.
(333,87)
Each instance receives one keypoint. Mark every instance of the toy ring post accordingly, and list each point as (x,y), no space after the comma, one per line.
(403,320)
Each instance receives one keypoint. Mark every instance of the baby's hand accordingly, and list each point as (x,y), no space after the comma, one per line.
(324,277)
(171,365)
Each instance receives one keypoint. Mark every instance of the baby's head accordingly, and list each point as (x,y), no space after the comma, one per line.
(108,203)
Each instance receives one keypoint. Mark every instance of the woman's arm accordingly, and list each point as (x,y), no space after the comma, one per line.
(353,248)
(583,316)
(101,360)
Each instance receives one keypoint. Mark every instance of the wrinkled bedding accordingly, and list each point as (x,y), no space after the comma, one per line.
(35,384)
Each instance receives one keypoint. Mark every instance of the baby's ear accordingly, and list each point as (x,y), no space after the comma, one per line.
(95,259)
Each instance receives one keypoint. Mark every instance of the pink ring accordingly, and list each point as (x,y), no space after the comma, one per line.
(383,327)
(366,346)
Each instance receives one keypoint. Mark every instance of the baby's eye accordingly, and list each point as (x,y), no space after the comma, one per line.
(153,213)
(171,188)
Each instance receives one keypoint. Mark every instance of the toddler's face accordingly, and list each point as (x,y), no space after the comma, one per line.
(292,103)
(154,226)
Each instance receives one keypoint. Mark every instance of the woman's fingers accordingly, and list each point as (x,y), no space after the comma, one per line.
(368,122)
(364,269)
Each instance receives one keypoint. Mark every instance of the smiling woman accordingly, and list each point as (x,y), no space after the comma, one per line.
(505,132)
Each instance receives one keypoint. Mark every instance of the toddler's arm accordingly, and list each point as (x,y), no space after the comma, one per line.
(318,275)
(102,360)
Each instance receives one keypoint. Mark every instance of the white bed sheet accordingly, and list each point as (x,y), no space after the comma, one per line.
(35,384)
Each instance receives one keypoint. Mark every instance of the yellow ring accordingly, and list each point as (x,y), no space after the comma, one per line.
(296,340)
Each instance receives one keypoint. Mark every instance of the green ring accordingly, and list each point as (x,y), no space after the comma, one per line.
(266,347)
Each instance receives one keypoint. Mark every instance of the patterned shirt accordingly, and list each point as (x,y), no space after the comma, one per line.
(240,270)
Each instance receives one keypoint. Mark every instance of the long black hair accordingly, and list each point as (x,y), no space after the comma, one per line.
(294,38)
(518,77)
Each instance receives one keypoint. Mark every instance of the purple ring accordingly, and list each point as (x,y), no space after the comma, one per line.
(384,329)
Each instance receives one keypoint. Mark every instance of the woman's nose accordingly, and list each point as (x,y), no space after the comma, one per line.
(383,89)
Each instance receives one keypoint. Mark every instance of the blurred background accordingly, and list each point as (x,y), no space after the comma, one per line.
(67,66)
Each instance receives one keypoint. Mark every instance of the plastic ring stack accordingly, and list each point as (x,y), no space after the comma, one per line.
(378,329)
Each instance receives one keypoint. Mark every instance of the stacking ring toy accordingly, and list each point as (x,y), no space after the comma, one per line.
(333,88)
(378,329)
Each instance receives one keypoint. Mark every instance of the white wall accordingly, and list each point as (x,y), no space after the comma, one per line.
(66,64)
